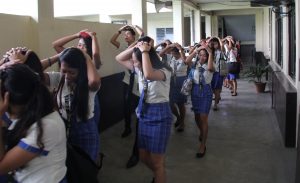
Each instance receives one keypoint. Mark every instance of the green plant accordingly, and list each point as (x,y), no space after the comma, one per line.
(256,72)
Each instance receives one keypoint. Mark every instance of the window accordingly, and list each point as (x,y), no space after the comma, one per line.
(164,33)
(292,42)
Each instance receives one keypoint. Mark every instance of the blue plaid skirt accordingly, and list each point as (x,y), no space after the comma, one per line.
(175,87)
(86,136)
(201,99)
(155,127)
(232,76)
(217,81)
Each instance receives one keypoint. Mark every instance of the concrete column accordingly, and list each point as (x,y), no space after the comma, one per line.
(139,14)
(192,26)
(45,26)
(178,21)
(197,25)
(208,26)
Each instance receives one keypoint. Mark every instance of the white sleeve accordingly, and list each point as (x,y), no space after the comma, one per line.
(53,133)
(54,78)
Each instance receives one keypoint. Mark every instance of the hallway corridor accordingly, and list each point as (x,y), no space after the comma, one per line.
(244,146)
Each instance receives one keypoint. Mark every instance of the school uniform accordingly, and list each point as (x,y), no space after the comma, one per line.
(217,80)
(177,79)
(154,113)
(231,57)
(81,133)
(49,166)
(201,95)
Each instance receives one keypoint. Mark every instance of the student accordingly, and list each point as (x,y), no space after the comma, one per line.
(36,139)
(179,67)
(76,86)
(153,111)
(130,84)
(165,52)
(131,94)
(87,42)
(217,80)
(231,53)
(202,73)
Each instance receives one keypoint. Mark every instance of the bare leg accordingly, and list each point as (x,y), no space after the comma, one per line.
(145,158)
(158,162)
(204,132)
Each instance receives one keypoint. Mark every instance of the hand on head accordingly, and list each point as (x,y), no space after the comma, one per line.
(143,46)
(15,56)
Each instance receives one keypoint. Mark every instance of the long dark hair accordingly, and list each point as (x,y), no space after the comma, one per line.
(75,59)
(154,58)
(26,90)
(34,62)
(88,44)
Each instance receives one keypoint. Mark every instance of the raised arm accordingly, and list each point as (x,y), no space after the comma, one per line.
(124,58)
(96,50)
(113,39)
(93,76)
(149,72)
(58,45)
(210,63)
(181,51)
(139,30)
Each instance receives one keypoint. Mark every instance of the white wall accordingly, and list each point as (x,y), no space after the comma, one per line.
(160,20)
(39,37)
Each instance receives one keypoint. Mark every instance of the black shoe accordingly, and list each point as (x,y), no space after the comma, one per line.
(176,124)
(153,180)
(201,155)
(133,160)
(200,138)
(126,132)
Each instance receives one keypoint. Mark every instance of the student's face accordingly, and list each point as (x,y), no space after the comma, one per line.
(129,38)
(71,74)
(81,45)
(135,61)
(202,56)
(175,54)
(215,45)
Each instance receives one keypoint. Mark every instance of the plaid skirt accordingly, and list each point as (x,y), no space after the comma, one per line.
(217,81)
(175,87)
(155,127)
(201,99)
(232,76)
(85,135)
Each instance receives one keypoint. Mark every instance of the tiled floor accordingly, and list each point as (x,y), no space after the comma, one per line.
(244,146)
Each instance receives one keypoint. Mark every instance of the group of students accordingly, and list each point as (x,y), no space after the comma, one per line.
(159,77)
(43,111)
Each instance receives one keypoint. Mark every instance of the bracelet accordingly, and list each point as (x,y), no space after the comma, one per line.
(145,51)
(49,61)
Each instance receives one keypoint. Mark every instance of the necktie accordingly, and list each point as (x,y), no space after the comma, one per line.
(142,101)
(201,77)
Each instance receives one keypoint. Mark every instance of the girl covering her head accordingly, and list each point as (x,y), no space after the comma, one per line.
(76,86)
(201,74)
(153,111)
(36,139)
